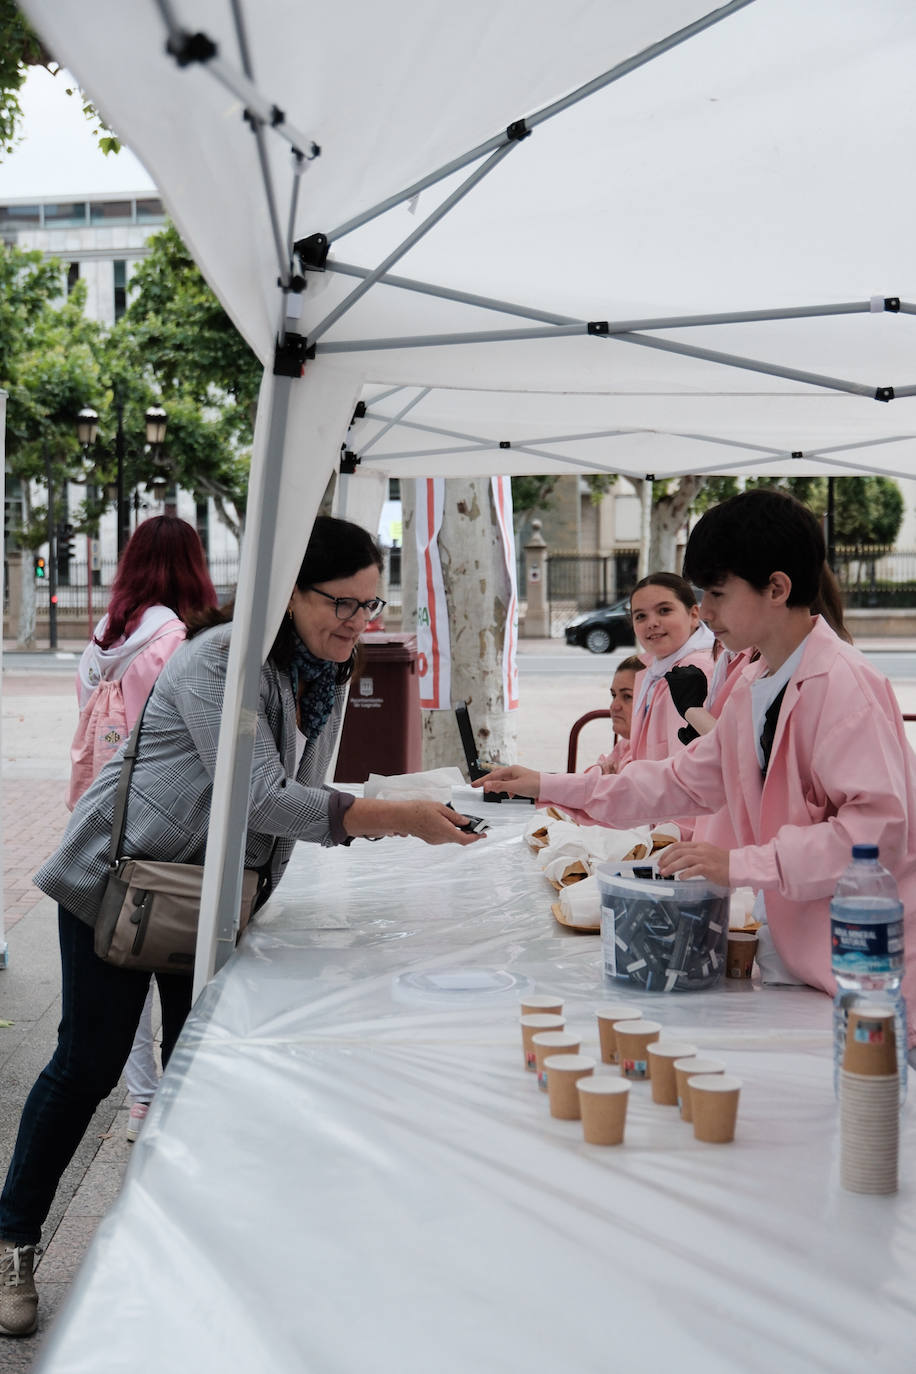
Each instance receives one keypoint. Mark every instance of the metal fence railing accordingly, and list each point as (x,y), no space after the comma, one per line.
(875,576)
(581,581)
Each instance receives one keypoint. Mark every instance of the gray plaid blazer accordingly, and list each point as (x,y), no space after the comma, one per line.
(169,803)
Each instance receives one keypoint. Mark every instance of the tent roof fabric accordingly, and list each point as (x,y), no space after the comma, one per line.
(750,161)
(755,166)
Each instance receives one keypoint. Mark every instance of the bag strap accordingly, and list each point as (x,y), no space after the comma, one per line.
(119,817)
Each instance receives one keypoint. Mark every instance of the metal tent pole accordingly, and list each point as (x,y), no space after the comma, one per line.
(225,854)
(421,230)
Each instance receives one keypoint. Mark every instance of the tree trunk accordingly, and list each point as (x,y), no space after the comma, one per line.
(25,630)
(668,516)
(645,527)
(477,592)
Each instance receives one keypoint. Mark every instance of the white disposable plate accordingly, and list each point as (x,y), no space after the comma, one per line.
(456,987)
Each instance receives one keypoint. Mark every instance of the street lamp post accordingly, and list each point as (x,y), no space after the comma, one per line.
(52,553)
(87,426)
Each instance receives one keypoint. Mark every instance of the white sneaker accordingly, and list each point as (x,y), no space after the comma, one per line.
(18,1297)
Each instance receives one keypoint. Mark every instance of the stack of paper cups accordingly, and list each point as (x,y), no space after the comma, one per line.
(869,1107)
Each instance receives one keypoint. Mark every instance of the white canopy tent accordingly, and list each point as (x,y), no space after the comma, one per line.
(638,239)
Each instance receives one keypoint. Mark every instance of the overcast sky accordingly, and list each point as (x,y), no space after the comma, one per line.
(58,155)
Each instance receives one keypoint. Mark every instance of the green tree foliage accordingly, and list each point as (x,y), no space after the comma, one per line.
(530,495)
(20,49)
(48,362)
(867,510)
(177,335)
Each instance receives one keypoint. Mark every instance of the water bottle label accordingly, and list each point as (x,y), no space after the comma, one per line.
(867,948)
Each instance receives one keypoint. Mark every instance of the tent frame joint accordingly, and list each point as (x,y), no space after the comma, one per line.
(188,47)
(600,328)
(518,130)
(892,303)
(312,252)
(884,393)
(349,461)
(290,355)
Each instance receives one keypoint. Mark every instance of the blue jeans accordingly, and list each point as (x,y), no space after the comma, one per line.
(100,1011)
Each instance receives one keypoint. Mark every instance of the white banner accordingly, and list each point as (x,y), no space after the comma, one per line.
(434,659)
(502,502)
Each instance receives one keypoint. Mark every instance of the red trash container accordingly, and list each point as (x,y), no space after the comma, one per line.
(382,724)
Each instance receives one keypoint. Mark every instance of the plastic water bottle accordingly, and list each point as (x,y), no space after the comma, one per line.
(866,939)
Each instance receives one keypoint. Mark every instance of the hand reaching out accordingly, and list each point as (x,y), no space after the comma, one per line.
(514,779)
(694,859)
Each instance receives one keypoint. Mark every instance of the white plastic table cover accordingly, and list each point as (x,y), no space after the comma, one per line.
(341,1174)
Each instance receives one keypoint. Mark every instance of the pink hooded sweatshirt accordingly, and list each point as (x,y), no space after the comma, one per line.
(841,772)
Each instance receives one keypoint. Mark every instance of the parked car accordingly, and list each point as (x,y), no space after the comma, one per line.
(604,629)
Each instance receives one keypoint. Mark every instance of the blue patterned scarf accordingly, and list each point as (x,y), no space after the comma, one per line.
(314,681)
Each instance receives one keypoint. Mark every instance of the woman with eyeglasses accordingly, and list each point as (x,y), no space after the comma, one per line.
(302,696)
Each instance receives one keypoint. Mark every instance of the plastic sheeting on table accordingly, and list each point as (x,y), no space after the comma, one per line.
(336,1178)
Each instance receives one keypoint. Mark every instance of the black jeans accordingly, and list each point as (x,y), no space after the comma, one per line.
(101,1009)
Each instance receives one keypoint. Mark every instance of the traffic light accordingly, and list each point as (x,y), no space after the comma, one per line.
(41,566)
(66,541)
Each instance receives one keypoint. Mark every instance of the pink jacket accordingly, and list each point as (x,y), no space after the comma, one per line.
(717,829)
(618,758)
(841,772)
(653,735)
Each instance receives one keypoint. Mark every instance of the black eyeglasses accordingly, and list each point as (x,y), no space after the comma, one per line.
(345,607)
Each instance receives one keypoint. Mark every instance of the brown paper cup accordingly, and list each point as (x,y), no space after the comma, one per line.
(607,1036)
(742,948)
(603,1106)
(552,1042)
(530,1026)
(563,1073)
(871,1041)
(541,1003)
(690,1068)
(662,1054)
(633,1041)
(714,1103)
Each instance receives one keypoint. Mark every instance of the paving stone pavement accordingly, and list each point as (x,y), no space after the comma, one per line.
(39,715)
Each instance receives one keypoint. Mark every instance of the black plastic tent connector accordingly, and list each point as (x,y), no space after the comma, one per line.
(359,413)
(505,443)
(884,393)
(599,327)
(349,462)
(190,47)
(517,130)
(892,303)
(796,453)
(290,355)
(313,251)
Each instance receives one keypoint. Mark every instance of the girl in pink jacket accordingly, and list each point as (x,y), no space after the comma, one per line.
(666,621)
(809,756)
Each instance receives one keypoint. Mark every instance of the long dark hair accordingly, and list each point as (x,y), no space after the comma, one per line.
(163,564)
(336,548)
(672,582)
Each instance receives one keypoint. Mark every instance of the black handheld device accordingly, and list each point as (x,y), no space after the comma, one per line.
(475,768)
